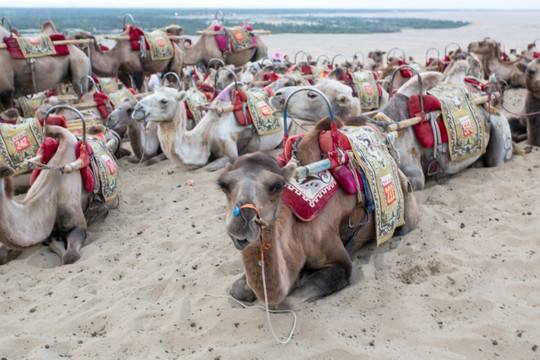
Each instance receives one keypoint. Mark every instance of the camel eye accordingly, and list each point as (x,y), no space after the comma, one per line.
(311,95)
(129,111)
(276,187)
(223,185)
(164,101)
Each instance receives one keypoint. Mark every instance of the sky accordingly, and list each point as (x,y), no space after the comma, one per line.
(342,4)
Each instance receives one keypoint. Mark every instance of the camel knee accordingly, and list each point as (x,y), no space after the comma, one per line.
(75,240)
(240,290)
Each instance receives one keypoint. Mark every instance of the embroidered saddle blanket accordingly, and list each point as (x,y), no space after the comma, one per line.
(463,123)
(106,84)
(103,163)
(262,112)
(159,44)
(195,101)
(21,47)
(237,38)
(29,105)
(366,87)
(381,171)
(20,142)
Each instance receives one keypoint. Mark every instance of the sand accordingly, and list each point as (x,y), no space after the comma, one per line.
(463,285)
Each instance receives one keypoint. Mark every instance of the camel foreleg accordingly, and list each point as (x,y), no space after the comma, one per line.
(74,241)
(7,254)
(240,290)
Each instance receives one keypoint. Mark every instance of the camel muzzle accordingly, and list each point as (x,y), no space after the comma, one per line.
(139,114)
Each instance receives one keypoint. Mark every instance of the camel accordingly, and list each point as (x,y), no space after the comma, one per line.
(218,135)
(490,51)
(206,48)
(413,159)
(532,101)
(143,140)
(16,76)
(305,260)
(305,108)
(121,58)
(53,209)
(374,60)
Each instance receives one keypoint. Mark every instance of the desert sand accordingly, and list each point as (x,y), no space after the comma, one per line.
(463,285)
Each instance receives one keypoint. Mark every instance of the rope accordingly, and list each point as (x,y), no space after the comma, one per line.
(513,113)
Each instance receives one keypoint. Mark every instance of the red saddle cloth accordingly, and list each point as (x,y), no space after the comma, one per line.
(405,72)
(222,39)
(134,36)
(49,146)
(423,130)
(16,53)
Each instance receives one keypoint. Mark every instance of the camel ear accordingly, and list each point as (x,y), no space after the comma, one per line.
(181,96)
(6,171)
(289,171)
(521,67)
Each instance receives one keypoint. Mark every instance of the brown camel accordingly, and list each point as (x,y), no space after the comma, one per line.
(306,259)
(206,48)
(143,139)
(16,75)
(490,52)
(122,59)
(532,101)
(53,209)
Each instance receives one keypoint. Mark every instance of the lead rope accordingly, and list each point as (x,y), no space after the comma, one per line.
(258,220)
(263,247)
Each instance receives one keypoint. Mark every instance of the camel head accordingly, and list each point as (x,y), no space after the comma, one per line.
(162,105)
(485,47)
(225,77)
(310,106)
(121,115)
(532,75)
(254,179)
(377,56)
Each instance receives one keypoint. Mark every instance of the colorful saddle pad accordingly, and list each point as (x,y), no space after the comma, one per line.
(107,170)
(307,197)
(107,84)
(20,142)
(159,45)
(118,96)
(29,105)
(464,125)
(195,100)
(21,47)
(366,88)
(262,112)
(382,175)
(235,39)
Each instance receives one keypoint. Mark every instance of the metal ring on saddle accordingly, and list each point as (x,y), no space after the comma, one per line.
(175,75)
(305,88)
(5,18)
(418,78)
(300,52)
(93,82)
(217,60)
(124,20)
(335,56)
(65,107)
(392,50)
(447,45)
(430,49)
(233,74)
(323,56)
(363,55)
(216,16)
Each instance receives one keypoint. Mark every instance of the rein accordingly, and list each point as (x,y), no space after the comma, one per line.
(263,246)
(511,112)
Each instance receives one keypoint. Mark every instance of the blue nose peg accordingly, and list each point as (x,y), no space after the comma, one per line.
(236,211)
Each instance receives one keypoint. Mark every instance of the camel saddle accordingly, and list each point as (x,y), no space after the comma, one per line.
(235,39)
(28,105)
(194,103)
(21,47)
(19,142)
(107,102)
(161,47)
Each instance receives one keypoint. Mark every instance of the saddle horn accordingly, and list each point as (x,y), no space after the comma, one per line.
(335,56)
(392,50)
(430,49)
(96,86)
(233,74)
(363,55)
(419,82)
(65,107)
(5,19)
(216,16)
(176,76)
(216,60)
(124,20)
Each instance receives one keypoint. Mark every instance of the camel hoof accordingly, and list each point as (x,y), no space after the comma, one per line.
(7,255)
(71,256)
(240,290)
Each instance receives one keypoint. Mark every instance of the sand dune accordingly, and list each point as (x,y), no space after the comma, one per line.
(463,285)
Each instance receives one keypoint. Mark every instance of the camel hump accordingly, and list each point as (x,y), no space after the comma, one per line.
(48,27)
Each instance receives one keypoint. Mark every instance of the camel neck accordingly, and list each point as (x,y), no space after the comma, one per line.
(281,264)
(105,63)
